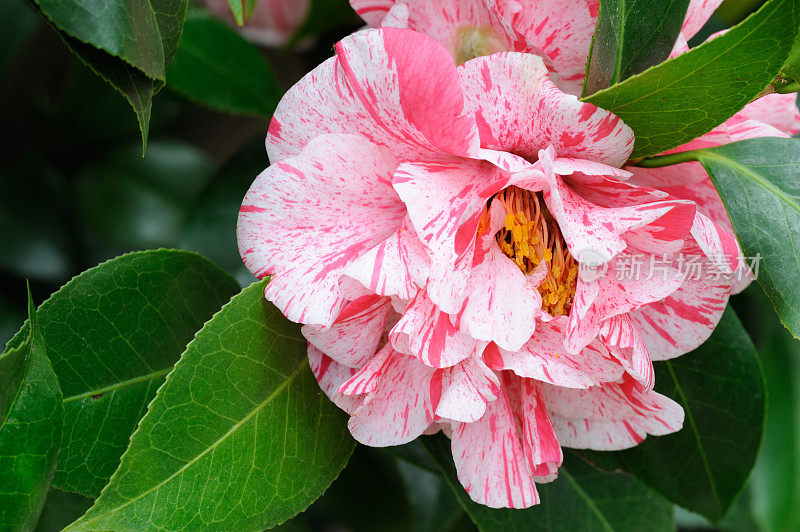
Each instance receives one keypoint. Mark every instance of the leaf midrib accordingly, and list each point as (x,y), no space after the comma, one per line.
(589,502)
(121,384)
(700,448)
(753,176)
(289,379)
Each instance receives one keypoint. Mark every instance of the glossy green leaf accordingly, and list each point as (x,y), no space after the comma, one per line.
(791,69)
(113,333)
(217,67)
(685,97)
(630,37)
(582,498)
(434,506)
(775,484)
(237,7)
(757,181)
(240,437)
(129,44)
(720,386)
(31,421)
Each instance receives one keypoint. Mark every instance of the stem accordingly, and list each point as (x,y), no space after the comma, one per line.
(668,160)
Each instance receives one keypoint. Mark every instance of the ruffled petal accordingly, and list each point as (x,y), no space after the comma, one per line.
(398,266)
(372,11)
(501,303)
(681,322)
(353,338)
(425,332)
(544,358)
(445,201)
(379,86)
(307,217)
(609,417)
(330,375)
(519,110)
(490,459)
(562,29)
(621,336)
(402,405)
(466,389)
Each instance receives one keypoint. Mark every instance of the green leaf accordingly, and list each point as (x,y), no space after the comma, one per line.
(240,437)
(791,69)
(113,333)
(128,44)
(581,498)
(434,507)
(31,421)
(757,181)
(217,67)
(704,466)
(237,8)
(630,37)
(129,202)
(775,485)
(685,97)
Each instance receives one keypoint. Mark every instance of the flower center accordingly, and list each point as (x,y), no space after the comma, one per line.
(474,42)
(531,236)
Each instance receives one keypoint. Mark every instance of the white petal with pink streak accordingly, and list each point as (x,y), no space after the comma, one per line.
(610,417)
(307,217)
(519,110)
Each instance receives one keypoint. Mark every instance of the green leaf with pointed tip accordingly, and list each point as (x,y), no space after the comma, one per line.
(757,181)
(31,420)
(237,8)
(128,44)
(704,466)
(240,437)
(685,97)
(630,37)
(581,498)
(113,333)
(217,67)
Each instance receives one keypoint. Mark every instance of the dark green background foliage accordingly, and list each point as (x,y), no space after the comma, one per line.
(155,388)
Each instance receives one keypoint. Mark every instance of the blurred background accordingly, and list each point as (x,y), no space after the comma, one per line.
(75,190)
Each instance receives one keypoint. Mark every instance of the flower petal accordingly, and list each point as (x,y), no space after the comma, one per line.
(544,358)
(379,86)
(425,332)
(519,110)
(307,217)
(697,15)
(466,389)
(402,405)
(609,417)
(490,459)
(622,337)
(777,110)
(683,321)
(353,338)
(562,29)
(330,375)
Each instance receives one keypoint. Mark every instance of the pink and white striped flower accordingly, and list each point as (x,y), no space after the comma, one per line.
(428,224)
(272,23)
(559,30)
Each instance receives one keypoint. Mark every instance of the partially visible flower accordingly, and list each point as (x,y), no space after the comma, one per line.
(428,224)
(559,30)
(272,23)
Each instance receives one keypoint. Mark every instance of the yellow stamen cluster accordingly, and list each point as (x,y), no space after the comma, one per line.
(531,236)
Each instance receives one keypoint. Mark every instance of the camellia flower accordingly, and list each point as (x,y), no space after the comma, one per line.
(558,30)
(457,242)
(272,23)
